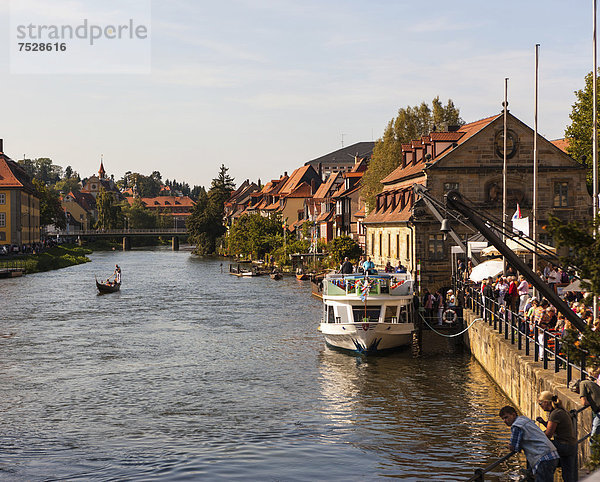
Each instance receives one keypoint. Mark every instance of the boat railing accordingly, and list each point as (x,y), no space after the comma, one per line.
(394,284)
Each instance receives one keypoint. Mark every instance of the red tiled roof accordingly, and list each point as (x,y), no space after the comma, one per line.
(12,175)
(164,201)
(295,179)
(446,136)
(402,172)
(390,216)
(326,186)
(302,190)
(323,217)
(562,144)
(360,213)
(466,132)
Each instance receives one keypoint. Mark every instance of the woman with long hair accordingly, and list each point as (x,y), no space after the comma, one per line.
(559,428)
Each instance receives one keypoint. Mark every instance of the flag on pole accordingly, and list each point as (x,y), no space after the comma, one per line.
(517,214)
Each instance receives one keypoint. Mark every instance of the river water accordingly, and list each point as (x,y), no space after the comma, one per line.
(193,374)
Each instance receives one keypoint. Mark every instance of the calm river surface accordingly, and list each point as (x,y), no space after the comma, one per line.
(192,374)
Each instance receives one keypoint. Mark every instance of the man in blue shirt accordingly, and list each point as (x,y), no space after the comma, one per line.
(369,266)
(540,452)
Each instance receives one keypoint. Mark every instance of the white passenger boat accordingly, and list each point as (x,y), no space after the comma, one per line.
(367,313)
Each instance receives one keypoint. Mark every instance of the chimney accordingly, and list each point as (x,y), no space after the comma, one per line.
(285,174)
(321,170)
(2,146)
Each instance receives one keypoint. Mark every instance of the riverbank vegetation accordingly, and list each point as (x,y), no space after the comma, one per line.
(57,257)
(253,236)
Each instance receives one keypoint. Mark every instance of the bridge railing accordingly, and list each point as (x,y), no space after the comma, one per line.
(119,232)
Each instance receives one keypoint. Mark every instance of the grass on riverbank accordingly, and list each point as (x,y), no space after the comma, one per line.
(53,258)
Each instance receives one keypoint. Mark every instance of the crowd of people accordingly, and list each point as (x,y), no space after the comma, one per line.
(511,295)
(366,265)
(32,248)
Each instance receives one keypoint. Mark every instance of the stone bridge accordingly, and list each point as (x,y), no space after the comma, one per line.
(126,234)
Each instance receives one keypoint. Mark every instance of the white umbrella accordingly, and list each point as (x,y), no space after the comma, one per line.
(522,247)
(574,286)
(485,270)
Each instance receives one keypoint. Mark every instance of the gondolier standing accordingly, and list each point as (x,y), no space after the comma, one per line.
(117,274)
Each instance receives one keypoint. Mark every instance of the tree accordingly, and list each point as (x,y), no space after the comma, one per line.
(411,123)
(222,186)
(342,247)
(205,224)
(138,216)
(67,185)
(51,211)
(580,131)
(109,213)
(255,235)
(42,169)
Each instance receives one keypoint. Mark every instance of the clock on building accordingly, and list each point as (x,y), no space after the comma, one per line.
(511,144)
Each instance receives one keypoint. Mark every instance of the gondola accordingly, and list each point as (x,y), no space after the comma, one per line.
(276,275)
(107,288)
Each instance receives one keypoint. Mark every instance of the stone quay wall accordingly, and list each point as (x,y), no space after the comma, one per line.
(520,377)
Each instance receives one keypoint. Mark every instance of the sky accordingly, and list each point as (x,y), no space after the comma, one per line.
(263,86)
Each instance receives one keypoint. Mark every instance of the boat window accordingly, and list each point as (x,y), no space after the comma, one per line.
(403,316)
(372,313)
(384,286)
(330,317)
(391,314)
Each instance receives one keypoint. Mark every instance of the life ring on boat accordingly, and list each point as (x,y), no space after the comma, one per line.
(449,316)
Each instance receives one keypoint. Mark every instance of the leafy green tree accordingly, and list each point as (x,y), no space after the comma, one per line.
(67,185)
(51,211)
(138,216)
(411,123)
(343,246)
(42,169)
(255,235)
(109,212)
(580,131)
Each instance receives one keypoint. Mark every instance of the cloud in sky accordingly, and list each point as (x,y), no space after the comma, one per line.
(264,85)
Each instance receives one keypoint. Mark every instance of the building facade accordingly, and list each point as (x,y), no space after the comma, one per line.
(19,205)
(469,159)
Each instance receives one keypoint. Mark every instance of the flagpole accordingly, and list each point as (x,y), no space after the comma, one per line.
(535,161)
(504,221)
(595,141)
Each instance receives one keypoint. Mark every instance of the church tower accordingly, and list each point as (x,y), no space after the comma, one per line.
(101,171)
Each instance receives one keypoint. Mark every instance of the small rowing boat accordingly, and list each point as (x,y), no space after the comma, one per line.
(107,286)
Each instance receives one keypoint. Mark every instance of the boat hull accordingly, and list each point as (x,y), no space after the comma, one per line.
(104,288)
(367,338)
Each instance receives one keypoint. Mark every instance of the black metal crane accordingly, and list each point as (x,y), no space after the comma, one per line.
(455,201)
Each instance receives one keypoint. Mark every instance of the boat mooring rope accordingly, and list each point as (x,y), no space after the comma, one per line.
(449,336)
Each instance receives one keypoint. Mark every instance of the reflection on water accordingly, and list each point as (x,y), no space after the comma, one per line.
(432,418)
(190,373)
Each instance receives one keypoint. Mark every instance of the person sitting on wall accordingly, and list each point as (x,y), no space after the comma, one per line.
(389,268)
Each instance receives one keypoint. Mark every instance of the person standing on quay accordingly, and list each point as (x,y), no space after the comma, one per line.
(523,290)
(541,455)
(560,426)
(589,393)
